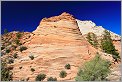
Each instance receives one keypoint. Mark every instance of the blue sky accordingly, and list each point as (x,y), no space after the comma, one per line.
(26,16)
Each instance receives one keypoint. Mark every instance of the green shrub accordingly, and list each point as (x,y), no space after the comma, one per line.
(23,48)
(2,47)
(95,70)
(15,55)
(67,66)
(63,74)
(31,57)
(17,41)
(18,35)
(6,74)
(8,50)
(51,79)
(92,39)
(40,77)
(32,69)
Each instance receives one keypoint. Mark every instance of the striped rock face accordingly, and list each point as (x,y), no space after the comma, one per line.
(56,42)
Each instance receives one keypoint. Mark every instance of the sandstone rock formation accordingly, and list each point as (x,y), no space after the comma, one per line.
(89,26)
(57,41)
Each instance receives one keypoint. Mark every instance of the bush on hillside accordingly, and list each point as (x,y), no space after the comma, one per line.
(23,48)
(51,79)
(67,66)
(15,55)
(32,69)
(92,39)
(17,41)
(6,74)
(95,70)
(8,50)
(63,74)
(31,57)
(18,35)
(2,47)
(40,77)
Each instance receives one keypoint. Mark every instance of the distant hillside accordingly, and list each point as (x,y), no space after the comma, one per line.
(89,26)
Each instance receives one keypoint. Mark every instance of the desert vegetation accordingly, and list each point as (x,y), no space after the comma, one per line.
(18,35)
(40,77)
(8,50)
(22,48)
(3,47)
(6,74)
(10,60)
(92,39)
(32,69)
(31,57)
(51,79)
(17,41)
(108,47)
(67,66)
(15,55)
(63,74)
(95,70)
(59,49)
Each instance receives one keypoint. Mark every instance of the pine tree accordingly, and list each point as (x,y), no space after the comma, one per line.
(95,42)
(89,38)
(92,39)
(108,47)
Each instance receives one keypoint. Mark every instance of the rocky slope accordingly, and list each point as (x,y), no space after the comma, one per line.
(57,41)
(89,26)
